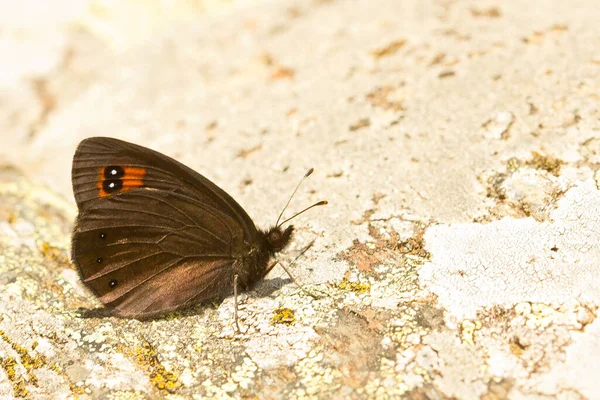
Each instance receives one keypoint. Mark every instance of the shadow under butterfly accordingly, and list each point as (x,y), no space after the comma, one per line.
(154,236)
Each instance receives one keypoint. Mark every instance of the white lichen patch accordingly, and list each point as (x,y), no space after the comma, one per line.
(279,344)
(314,376)
(115,371)
(393,286)
(573,372)
(532,190)
(244,373)
(388,384)
(458,368)
(215,392)
(98,336)
(514,260)
(32,222)
(126,395)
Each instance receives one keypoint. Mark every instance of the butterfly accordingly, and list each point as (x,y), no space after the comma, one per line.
(154,236)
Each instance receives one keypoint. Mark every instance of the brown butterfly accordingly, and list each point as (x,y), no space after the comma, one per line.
(153,236)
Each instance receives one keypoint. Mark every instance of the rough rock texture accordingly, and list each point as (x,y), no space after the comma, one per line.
(457,142)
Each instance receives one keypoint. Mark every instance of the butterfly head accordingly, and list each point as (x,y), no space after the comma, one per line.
(277,238)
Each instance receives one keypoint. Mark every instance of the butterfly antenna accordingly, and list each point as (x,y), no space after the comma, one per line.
(310,171)
(320,203)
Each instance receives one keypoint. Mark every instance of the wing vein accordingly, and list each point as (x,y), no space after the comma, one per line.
(194,223)
(108,271)
(141,211)
(208,209)
(214,268)
(198,293)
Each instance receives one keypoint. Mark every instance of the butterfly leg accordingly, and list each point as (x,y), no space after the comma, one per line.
(301,287)
(235,297)
(269,268)
(287,271)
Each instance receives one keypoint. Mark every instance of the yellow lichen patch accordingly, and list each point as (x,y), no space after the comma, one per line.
(516,348)
(537,161)
(18,383)
(546,163)
(31,363)
(283,316)
(356,287)
(512,164)
(537,315)
(53,253)
(468,329)
(146,357)
(74,388)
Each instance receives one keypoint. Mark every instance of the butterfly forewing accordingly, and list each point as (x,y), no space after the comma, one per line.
(143,167)
(152,235)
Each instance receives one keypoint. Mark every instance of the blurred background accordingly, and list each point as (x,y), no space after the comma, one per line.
(408,107)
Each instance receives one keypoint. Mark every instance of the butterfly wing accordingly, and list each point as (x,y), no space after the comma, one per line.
(143,167)
(152,235)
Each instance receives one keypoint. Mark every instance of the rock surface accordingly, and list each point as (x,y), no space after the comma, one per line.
(457,143)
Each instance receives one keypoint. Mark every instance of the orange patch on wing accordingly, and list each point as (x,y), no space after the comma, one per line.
(101,192)
(134,173)
(132,178)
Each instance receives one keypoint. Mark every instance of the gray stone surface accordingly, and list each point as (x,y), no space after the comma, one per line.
(457,142)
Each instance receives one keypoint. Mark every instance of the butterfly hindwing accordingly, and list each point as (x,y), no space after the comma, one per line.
(152,235)
(201,284)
